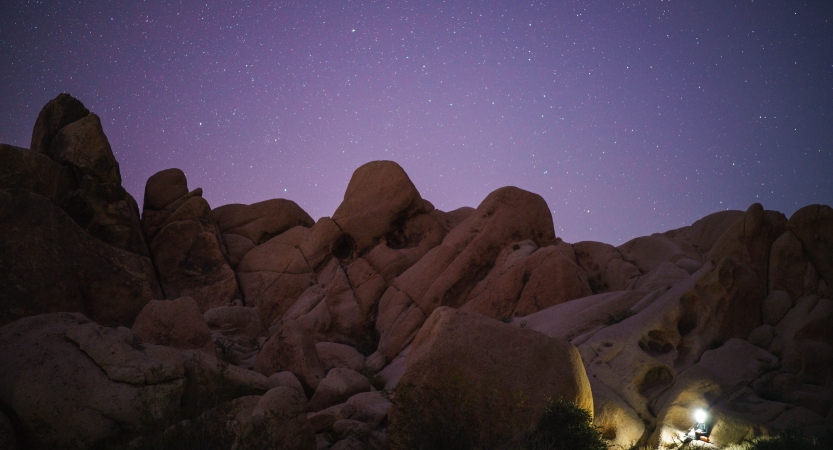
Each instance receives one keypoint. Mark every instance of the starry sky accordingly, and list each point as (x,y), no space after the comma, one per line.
(629,118)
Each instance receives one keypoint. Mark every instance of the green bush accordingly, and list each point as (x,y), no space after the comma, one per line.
(565,426)
(455,414)
(789,439)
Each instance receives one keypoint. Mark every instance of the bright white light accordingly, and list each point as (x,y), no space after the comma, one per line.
(700,416)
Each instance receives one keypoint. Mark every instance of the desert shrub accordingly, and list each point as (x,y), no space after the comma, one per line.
(564,425)
(791,438)
(454,413)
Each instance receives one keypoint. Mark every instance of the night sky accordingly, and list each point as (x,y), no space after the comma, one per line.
(628,118)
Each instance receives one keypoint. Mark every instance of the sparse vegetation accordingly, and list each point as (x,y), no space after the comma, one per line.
(455,414)
(565,426)
(789,439)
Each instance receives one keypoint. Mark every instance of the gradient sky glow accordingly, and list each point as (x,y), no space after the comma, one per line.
(629,118)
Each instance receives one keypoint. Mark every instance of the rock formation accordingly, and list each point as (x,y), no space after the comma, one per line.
(255,326)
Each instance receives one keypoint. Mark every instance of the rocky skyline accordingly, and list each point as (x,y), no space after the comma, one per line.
(254,326)
(627,119)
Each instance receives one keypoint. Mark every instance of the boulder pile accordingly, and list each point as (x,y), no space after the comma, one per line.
(259,327)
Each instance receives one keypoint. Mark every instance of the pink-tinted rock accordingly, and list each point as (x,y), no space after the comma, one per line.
(174,323)
(83,145)
(813,226)
(188,255)
(239,324)
(505,360)
(527,279)
(605,268)
(260,221)
(59,112)
(278,420)
(703,233)
(237,247)
(74,384)
(451,219)
(334,355)
(749,240)
(49,264)
(291,348)
(163,188)
(378,198)
(339,385)
(447,273)
(648,252)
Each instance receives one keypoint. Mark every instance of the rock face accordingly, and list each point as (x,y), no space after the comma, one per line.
(186,244)
(71,136)
(74,384)
(500,358)
(266,330)
(261,221)
(446,275)
(49,264)
(174,323)
(379,197)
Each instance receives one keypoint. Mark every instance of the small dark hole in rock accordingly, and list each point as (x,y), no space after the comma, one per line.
(343,247)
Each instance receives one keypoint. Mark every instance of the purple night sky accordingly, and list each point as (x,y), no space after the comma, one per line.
(628,118)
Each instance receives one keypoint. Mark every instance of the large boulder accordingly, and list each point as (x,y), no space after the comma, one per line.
(174,323)
(494,358)
(71,383)
(606,269)
(84,179)
(187,248)
(260,221)
(749,240)
(527,279)
(703,233)
(649,252)
(639,354)
(379,198)
(163,188)
(290,348)
(813,226)
(719,374)
(339,385)
(31,171)
(278,420)
(49,264)
(789,269)
(273,275)
(59,112)
(446,275)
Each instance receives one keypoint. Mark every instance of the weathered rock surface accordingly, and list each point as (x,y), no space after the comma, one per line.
(813,226)
(278,420)
(58,113)
(291,348)
(163,188)
(49,264)
(527,279)
(500,358)
(260,221)
(174,323)
(703,233)
(379,197)
(74,384)
(339,385)
(447,273)
(186,245)
(606,269)
(31,171)
(334,355)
